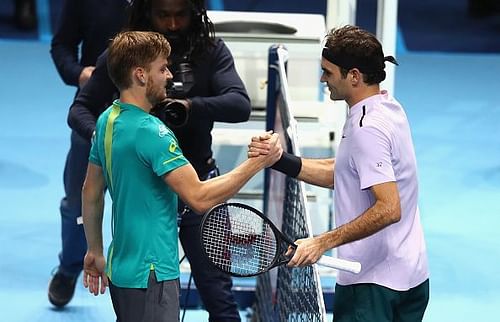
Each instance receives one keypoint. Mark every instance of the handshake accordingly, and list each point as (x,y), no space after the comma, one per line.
(264,144)
(269,145)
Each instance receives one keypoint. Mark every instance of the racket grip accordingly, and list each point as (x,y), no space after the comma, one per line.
(342,264)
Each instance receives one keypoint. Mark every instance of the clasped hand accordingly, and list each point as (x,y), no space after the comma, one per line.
(308,250)
(265,144)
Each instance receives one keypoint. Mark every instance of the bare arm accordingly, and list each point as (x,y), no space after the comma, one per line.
(318,172)
(92,207)
(92,210)
(385,211)
(202,195)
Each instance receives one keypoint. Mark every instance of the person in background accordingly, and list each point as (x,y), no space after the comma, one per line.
(139,160)
(208,89)
(483,8)
(25,14)
(374,176)
(84,30)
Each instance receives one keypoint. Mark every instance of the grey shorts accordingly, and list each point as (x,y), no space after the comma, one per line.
(157,303)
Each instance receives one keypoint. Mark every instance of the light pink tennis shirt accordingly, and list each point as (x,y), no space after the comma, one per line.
(377,147)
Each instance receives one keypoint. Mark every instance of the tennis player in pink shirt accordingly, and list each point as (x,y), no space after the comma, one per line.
(374,177)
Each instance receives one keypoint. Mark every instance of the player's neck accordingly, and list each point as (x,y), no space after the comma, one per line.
(137,97)
(361,93)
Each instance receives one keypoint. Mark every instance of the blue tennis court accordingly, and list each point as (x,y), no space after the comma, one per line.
(453,103)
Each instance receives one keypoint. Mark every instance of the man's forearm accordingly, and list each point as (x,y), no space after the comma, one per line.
(232,107)
(92,212)
(222,188)
(82,121)
(66,62)
(219,189)
(373,220)
(318,172)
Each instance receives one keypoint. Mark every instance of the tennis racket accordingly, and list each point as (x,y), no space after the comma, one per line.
(241,241)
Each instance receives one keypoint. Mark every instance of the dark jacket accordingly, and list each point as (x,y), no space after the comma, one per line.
(218,95)
(89,23)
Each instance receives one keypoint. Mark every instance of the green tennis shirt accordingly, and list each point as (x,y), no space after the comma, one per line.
(135,149)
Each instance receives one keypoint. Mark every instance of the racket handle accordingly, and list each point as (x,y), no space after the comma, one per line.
(337,263)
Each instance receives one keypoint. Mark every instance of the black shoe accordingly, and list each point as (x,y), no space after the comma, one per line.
(61,289)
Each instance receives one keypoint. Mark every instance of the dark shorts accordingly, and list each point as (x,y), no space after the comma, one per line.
(158,303)
(375,303)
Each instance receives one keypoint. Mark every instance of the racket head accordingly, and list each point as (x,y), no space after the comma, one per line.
(240,240)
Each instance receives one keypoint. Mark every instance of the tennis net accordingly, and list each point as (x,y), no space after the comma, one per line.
(286,294)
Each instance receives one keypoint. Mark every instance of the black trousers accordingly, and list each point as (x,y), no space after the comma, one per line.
(213,285)
(73,240)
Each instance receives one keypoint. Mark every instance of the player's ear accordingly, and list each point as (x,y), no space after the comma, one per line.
(354,76)
(140,75)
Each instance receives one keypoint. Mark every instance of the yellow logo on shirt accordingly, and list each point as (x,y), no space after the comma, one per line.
(172,147)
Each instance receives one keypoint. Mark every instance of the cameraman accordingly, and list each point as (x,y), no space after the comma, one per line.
(216,94)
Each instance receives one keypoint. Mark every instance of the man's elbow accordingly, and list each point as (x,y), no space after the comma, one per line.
(244,109)
(71,119)
(395,214)
(91,194)
(247,107)
(201,201)
(87,193)
(199,206)
(246,114)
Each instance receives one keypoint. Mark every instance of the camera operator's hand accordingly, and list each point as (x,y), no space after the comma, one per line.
(173,112)
(85,75)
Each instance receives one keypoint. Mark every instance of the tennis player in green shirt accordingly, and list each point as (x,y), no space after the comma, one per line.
(138,159)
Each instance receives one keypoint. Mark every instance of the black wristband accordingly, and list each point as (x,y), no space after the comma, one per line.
(289,164)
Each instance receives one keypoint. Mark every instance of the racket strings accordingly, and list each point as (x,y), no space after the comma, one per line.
(239,241)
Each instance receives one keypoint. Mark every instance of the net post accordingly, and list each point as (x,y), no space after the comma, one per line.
(387,26)
(272,94)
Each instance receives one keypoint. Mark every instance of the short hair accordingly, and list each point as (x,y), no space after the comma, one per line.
(359,45)
(131,49)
